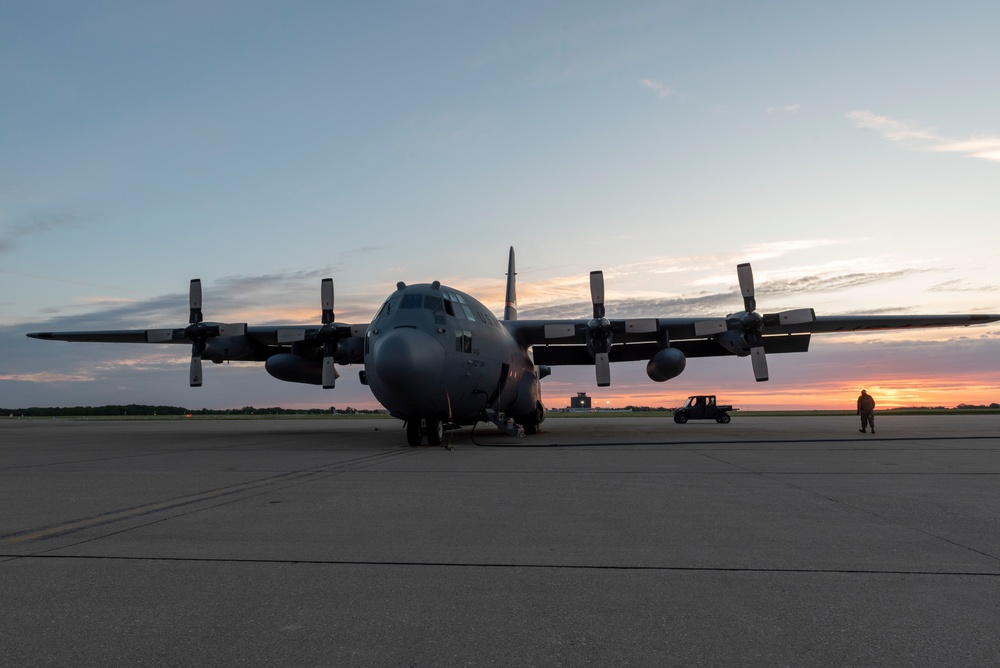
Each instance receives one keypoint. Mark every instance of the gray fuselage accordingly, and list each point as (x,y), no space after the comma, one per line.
(435,352)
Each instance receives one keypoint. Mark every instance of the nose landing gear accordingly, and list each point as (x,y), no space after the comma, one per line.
(418,428)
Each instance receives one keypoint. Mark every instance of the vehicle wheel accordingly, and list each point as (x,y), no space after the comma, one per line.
(414,434)
(723,418)
(680,418)
(435,430)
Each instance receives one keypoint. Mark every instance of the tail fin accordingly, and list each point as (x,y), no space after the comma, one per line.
(510,301)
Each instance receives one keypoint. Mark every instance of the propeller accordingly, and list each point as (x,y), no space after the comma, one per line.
(197,331)
(328,335)
(742,333)
(599,331)
(751,323)
(599,336)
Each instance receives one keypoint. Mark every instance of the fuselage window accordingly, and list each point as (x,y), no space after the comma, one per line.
(463,342)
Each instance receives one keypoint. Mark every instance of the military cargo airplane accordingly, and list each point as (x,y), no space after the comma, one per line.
(437,358)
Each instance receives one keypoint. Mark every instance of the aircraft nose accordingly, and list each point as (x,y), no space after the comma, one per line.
(408,367)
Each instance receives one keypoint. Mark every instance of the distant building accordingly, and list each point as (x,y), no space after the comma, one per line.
(581,400)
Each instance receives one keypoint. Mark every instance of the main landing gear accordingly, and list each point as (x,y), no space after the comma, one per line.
(418,428)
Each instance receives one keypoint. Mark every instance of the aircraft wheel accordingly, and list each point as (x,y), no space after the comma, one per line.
(680,418)
(434,429)
(414,434)
(723,418)
(531,425)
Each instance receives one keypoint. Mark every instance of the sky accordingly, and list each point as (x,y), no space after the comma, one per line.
(850,151)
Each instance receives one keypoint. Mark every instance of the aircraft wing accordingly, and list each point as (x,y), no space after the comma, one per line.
(561,342)
(869,323)
(295,353)
(667,342)
(244,343)
(105,336)
(664,343)
(700,335)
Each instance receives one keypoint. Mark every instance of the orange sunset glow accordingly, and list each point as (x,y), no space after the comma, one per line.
(833,395)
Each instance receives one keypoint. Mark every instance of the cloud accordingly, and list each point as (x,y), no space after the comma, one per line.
(277,298)
(661,90)
(765,251)
(786,109)
(828,283)
(962,286)
(985,147)
(713,303)
(48,377)
(35,226)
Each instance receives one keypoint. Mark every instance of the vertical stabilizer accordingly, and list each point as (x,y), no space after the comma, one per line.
(510,301)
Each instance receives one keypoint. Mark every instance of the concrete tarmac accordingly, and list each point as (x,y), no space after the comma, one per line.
(602,541)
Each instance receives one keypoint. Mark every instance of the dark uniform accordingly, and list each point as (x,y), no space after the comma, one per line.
(866,409)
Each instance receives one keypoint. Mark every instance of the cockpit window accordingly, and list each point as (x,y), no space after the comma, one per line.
(432,303)
(386,308)
(412,301)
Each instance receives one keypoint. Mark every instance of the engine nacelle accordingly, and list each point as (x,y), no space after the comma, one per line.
(222,348)
(666,364)
(735,342)
(295,369)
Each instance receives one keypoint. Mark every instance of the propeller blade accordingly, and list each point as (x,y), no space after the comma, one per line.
(559,331)
(195,370)
(710,327)
(641,326)
(330,373)
(603,366)
(194,300)
(797,316)
(759,361)
(745,274)
(326,297)
(597,292)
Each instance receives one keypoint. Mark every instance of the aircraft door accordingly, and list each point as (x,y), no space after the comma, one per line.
(504,375)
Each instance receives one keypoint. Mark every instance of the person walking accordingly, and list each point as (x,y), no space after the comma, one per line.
(866,409)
